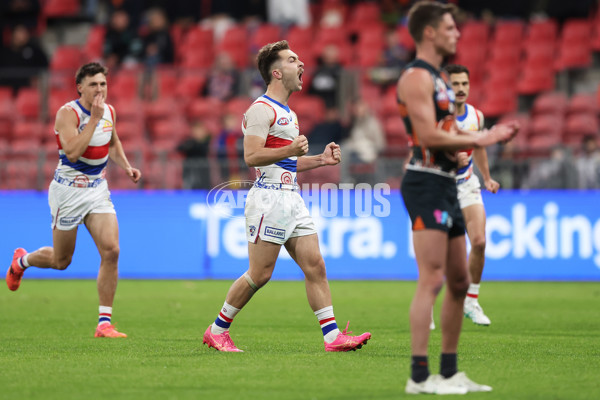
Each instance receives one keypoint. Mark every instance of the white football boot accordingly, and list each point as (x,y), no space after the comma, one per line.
(474,312)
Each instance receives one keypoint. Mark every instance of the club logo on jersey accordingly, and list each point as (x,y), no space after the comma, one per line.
(252,230)
(286,178)
(108,126)
(283,121)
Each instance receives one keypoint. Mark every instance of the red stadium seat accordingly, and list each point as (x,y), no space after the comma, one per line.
(524,121)
(508,32)
(309,109)
(583,103)
(33,130)
(21,174)
(60,8)
(94,46)
(576,30)
(5,133)
(498,101)
(28,103)
(579,125)
(574,55)
(395,132)
(535,78)
(66,58)
(204,108)
(129,130)
(474,32)
(129,110)
(320,176)
(300,36)
(124,84)
(6,93)
(238,106)
(541,31)
(235,43)
(166,81)
(197,59)
(553,103)
(266,33)
(190,85)
(162,108)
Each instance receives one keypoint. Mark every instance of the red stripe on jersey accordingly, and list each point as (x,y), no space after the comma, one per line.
(326,320)
(274,142)
(224,318)
(96,152)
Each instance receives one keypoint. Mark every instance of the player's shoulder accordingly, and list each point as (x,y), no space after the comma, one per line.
(415,78)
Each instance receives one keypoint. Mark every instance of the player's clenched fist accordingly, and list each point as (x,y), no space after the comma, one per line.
(299,146)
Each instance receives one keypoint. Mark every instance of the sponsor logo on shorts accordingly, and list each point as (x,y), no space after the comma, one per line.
(274,232)
(66,221)
(442,218)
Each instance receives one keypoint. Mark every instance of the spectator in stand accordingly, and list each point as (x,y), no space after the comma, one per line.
(507,169)
(394,58)
(557,172)
(230,148)
(223,79)
(19,12)
(326,131)
(22,60)
(327,77)
(158,46)
(121,43)
(588,163)
(196,148)
(366,140)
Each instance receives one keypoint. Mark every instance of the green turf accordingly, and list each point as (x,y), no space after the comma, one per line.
(544,342)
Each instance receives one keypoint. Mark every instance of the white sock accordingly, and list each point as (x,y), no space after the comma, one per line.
(328,324)
(473,292)
(23,263)
(224,319)
(104,315)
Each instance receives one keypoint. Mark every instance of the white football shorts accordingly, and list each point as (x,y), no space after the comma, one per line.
(70,205)
(469,192)
(276,215)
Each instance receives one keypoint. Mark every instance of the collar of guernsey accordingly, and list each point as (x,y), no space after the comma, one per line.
(93,161)
(282,132)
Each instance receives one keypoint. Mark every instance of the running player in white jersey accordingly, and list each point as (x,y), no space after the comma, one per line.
(86,137)
(275,212)
(468,118)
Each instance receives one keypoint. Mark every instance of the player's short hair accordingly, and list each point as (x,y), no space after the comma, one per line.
(426,13)
(267,56)
(456,69)
(89,69)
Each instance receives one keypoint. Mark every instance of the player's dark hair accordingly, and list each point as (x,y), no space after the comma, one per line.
(90,69)
(267,56)
(456,69)
(426,13)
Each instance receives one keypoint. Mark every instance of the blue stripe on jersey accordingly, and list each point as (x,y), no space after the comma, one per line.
(83,167)
(82,107)
(461,118)
(287,164)
(286,108)
(465,168)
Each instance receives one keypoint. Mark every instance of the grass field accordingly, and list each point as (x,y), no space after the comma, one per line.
(544,342)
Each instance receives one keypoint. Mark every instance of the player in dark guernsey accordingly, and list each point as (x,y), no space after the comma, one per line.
(429,192)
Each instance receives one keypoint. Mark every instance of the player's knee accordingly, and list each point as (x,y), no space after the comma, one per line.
(257,282)
(317,270)
(61,263)
(459,287)
(110,254)
(478,244)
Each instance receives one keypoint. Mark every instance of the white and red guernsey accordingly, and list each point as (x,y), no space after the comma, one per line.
(92,163)
(282,132)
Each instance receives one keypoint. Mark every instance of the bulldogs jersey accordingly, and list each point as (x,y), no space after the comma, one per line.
(282,132)
(92,162)
(469,121)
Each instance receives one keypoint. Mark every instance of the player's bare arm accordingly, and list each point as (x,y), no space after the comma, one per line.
(481,161)
(117,154)
(73,143)
(416,84)
(258,119)
(332,155)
